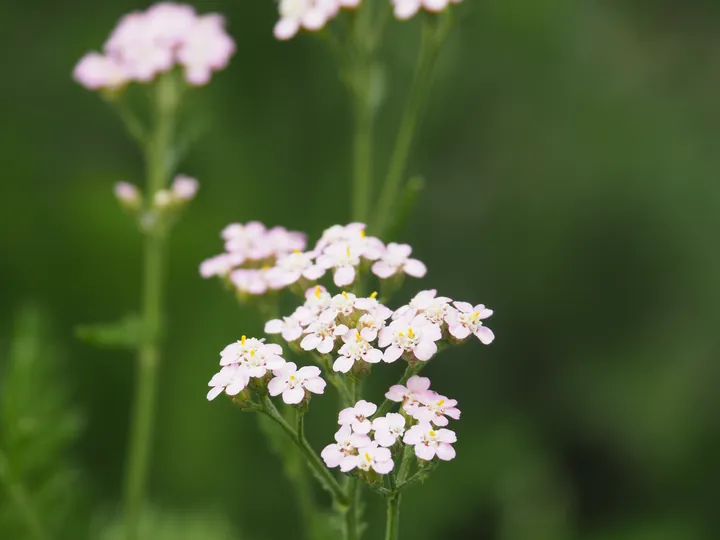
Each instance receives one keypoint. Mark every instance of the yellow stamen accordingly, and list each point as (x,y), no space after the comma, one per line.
(362,233)
(266,267)
(432,433)
(476,315)
(357,336)
(367,457)
(373,295)
(344,294)
(347,250)
(440,403)
(296,251)
(242,340)
(400,334)
(411,334)
(252,352)
(318,290)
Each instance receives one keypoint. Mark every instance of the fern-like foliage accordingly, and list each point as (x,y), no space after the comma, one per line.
(40,492)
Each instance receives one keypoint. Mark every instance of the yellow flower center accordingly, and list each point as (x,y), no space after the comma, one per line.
(411,334)
(318,290)
(432,433)
(367,457)
(440,403)
(242,340)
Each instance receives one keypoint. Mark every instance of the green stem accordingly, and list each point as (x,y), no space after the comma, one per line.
(429,50)
(351,512)
(322,473)
(392,528)
(409,372)
(362,151)
(22,501)
(158,153)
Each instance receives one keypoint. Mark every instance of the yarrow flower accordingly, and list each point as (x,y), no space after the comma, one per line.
(128,194)
(356,349)
(295,384)
(436,409)
(430,442)
(373,457)
(405,9)
(435,308)
(414,335)
(395,260)
(145,44)
(389,428)
(411,396)
(308,14)
(466,320)
(346,444)
(184,188)
(358,416)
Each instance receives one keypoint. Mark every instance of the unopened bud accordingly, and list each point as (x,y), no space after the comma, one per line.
(163,199)
(184,188)
(128,195)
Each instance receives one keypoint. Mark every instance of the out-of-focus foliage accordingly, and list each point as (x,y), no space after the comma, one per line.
(572,183)
(159,525)
(40,492)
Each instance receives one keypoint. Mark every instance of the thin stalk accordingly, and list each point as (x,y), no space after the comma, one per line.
(322,473)
(351,514)
(362,150)
(429,50)
(157,154)
(303,491)
(22,502)
(392,527)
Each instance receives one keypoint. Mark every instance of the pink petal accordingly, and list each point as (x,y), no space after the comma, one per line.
(326,345)
(214,392)
(445,452)
(343,364)
(344,275)
(392,353)
(464,307)
(396,393)
(274,327)
(385,337)
(425,350)
(315,385)
(310,342)
(291,396)
(459,331)
(277,386)
(286,28)
(373,356)
(416,383)
(383,270)
(424,452)
(383,467)
(485,335)
(440,421)
(348,463)
(363,428)
(415,268)
(346,416)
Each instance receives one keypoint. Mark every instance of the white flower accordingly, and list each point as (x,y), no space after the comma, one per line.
(206,48)
(370,457)
(346,444)
(230,379)
(265,358)
(405,334)
(220,265)
(309,14)
(343,257)
(396,260)
(321,334)
(404,9)
(357,416)
(354,350)
(388,428)
(341,304)
(317,299)
(289,327)
(184,188)
(236,353)
(430,442)
(468,320)
(290,268)
(292,383)
(250,280)
(435,408)
(411,396)
(434,308)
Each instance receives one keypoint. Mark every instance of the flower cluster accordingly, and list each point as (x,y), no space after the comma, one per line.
(145,44)
(182,190)
(254,359)
(257,260)
(422,411)
(313,15)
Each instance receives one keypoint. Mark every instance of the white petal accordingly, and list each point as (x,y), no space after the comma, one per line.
(415,268)
(383,270)
(291,396)
(344,275)
(425,350)
(383,467)
(445,452)
(343,364)
(485,335)
(392,353)
(274,327)
(316,385)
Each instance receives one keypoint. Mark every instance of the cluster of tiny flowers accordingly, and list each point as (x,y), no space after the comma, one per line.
(182,190)
(341,249)
(313,15)
(145,44)
(359,328)
(254,359)
(422,411)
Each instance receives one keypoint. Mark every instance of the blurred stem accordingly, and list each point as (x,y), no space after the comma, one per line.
(432,38)
(22,501)
(392,528)
(409,372)
(157,155)
(303,492)
(322,473)
(351,512)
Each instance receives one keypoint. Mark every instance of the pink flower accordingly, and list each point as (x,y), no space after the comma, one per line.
(370,457)
(220,265)
(263,359)
(354,350)
(321,334)
(317,299)
(347,444)
(430,442)
(343,257)
(250,280)
(230,379)
(127,193)
(206,48)
(357,416)
(239,351)
(435,409)
(95,71)
(184,188)
(411,396)
(309,14)
(396,260)
(405,9)
(294,383)
(468,320)
(416,335)
(292,267)
(388,428)
(434,308)
(289,327)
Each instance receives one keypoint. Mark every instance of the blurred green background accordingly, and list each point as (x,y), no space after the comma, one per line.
(571,149)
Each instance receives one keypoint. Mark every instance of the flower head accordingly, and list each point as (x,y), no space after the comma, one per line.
(356,349)
(294,383)
(308,14)
(395,260)
(321,334)
(357,417)
(231,379)
(436,409)
(369,457)
(388,428)
(405,9)
(411,396)
(468,319)
(430,442)
(347,443)
(435,308)
(416,335)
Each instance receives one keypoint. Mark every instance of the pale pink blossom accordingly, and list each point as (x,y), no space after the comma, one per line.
(343,258)
(346,444)
(220,265)
(395,260)
(95,71)
(430,442)
(294,383)
(411,396)
(308,14)
(355,349)
(184,188)
(416,335)
(321,334)
(370,457)
(239,351)
(388,428)
(163,199)
(341,305)
(264,359)
(405,9)
(358,416)
(289,327)
(128,194)
(230,379)
(435,308)
(292,267)
(206,48)
(283,242)
(317,299)
(436,409)
(250,280)
(468,319)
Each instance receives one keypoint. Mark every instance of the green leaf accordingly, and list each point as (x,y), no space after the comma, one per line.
(160,525)
(125,333)
(39,489)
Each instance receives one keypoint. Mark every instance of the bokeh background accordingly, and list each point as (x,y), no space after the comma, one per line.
(571,152)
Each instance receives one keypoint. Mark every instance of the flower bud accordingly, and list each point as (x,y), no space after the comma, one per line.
(128,195)
(184,188)
(163,199)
